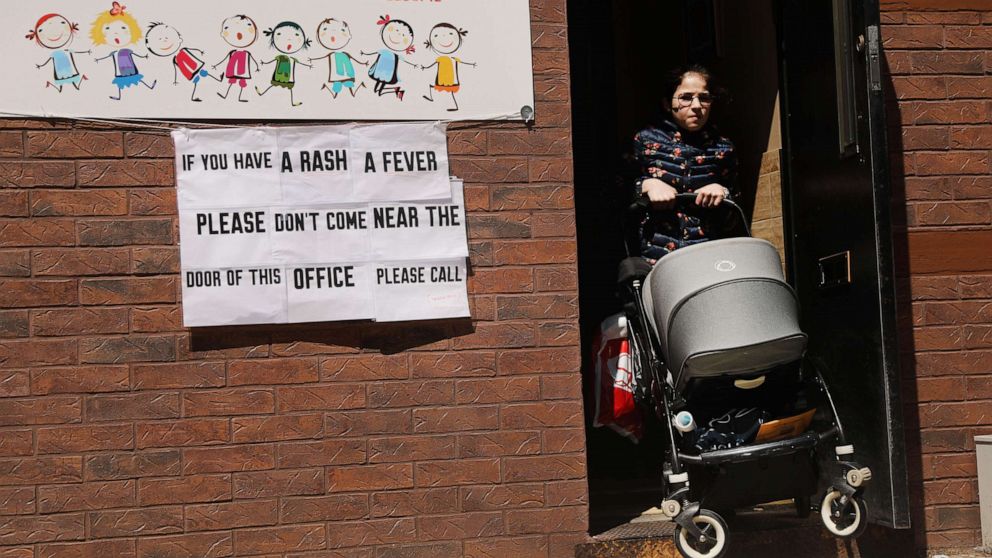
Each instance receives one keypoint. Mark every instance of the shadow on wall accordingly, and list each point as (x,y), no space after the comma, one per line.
(257,341)
(350,337)
(904,313)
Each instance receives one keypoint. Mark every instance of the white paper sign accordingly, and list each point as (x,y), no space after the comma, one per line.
(246,167)
(225,237)
(311,252)
(321,59)
(246,158)
(343,291)
(328,234)
(433,230)
(393,167)
(321,168)
(233,296)
(421,290)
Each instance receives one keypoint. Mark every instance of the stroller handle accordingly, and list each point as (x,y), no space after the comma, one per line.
(643,205)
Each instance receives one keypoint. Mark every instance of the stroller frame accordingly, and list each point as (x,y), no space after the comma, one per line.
(703,533)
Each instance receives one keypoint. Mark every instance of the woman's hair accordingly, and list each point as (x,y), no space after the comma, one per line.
(34,36)
(674,79)
(460,32)
(271,33)
(115,14)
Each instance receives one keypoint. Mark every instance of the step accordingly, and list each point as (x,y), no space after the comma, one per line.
(760,533)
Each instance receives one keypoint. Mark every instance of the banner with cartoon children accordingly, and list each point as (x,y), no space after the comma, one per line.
(251,60)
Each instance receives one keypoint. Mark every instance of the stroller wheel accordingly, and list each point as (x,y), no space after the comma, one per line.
(715,533)
(846,521)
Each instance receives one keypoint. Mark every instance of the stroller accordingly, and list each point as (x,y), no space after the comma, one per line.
(715,338)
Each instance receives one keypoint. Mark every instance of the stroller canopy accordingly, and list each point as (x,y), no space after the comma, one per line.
(723,308)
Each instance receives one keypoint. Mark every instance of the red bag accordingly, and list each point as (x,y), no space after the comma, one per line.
(615,380)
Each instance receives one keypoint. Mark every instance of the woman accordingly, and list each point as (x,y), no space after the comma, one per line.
(682,154)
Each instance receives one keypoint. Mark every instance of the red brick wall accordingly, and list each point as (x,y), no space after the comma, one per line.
(123,434)
(939,55)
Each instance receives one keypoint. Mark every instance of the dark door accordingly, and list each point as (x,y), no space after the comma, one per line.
(836,190)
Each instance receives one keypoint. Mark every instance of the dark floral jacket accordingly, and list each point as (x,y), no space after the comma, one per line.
(685,161)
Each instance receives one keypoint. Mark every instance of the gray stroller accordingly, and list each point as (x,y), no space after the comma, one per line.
(714,334)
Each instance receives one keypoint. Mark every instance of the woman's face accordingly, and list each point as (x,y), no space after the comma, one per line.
(693,116)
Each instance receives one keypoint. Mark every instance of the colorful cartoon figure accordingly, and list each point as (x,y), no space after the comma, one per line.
(240,32)
(120,30)
(397,36)
(163,40)
(444,40)
(334,35)
(287,38)
(55,32)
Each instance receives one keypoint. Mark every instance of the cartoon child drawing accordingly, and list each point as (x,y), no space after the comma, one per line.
(397,36)
(120,30)
(334,35)
(444,40)
(163,40)
(54,32)
(287,38)
(240,32)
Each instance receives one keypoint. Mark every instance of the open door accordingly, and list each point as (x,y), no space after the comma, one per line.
(836,193)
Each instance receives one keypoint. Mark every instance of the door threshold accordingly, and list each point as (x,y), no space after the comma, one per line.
(769,531)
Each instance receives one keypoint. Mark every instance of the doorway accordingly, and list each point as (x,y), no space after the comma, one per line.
(789,167)
(616,77)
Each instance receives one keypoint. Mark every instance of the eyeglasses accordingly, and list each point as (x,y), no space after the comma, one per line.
(685,99)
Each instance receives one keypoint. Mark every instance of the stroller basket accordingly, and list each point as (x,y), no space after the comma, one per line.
(808,440)
(723,308)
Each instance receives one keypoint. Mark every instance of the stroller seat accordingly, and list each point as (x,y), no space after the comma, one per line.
(723,308)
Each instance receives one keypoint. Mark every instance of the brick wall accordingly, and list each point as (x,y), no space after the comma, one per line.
(123,434)
(939,55)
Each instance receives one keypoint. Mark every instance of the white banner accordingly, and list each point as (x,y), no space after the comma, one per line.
(257,248)
(251,60)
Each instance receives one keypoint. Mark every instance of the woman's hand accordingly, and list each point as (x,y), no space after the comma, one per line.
(711,195)
(662,195)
